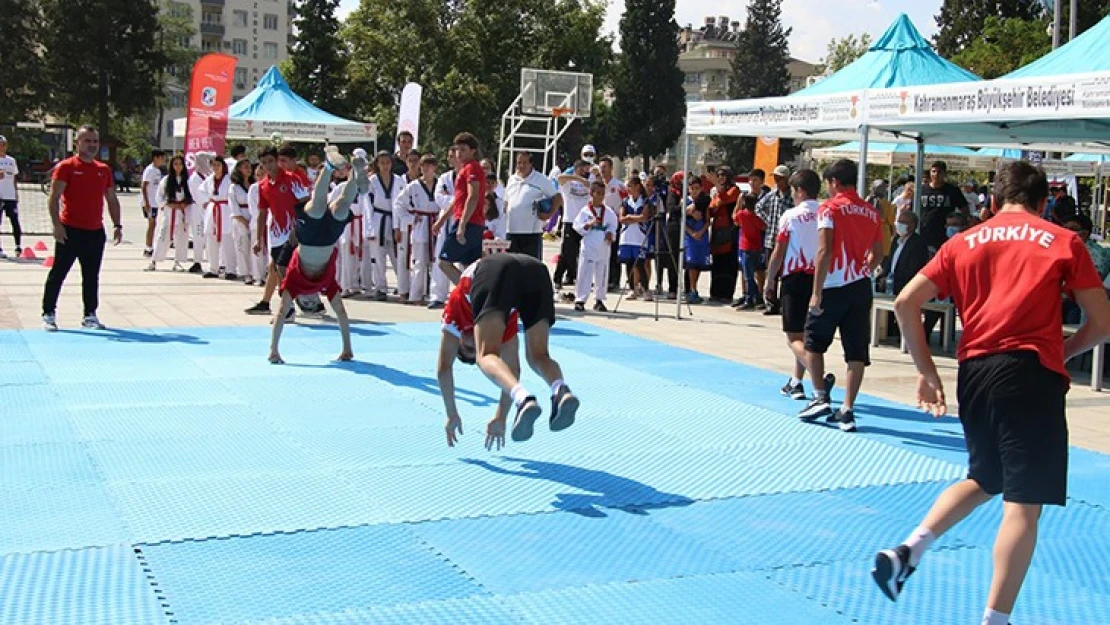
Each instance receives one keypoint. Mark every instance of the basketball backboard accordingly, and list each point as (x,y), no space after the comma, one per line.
(545,91)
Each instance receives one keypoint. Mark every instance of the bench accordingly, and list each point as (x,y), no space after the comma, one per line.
(885,303)
(1098,357)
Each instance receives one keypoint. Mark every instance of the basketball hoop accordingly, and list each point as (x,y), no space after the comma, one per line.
(559,111)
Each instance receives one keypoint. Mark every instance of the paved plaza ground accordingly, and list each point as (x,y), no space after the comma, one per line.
(162,472)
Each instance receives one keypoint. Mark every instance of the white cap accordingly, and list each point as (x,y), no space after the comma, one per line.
(589,149)
(359,153)
(3,139)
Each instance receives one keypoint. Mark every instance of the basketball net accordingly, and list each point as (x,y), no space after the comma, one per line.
(559,111)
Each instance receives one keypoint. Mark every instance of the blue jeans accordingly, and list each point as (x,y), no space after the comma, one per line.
(752,262)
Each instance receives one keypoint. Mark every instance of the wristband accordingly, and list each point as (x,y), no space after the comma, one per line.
(117,227)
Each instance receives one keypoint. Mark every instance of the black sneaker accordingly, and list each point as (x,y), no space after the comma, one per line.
(599,307)
(196,268)
(568,297)
(844,419)
(564,405)
(795,391)
(261,308)
(210,276)
(434,305)
(892,569)
(579,307)
(526,415)
(818,407)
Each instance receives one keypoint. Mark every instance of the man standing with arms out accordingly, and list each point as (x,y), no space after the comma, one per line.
(152,177)
(463,245)
(279,194)
(849,247)
(770,208)
(528,189)
(80,187)
(939,199)
(575,190)
(9,196)
(793,257)
(1011,382)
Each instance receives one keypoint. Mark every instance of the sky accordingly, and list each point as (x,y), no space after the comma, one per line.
(815,22)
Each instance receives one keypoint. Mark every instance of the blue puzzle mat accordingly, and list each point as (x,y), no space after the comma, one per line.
(174,476)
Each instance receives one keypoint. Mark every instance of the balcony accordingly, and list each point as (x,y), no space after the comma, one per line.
(214,30)
(212,3)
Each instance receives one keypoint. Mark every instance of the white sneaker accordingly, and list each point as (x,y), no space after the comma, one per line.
(3,255)
(334,158)
(49,323)
(92,323)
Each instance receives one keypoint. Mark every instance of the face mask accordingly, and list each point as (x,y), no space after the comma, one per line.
(952,231)
(902,229)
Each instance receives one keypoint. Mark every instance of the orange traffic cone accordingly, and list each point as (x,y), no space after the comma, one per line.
(40,247)
(28,254)
(49,262)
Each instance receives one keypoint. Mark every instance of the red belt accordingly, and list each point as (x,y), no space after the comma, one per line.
(356,233)
(218,216)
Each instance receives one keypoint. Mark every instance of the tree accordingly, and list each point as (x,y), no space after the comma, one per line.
(961,22)
(22,94)
(1005,45)
(101,58)
(175,34)
(841,53)
(319,66)
(649,102)
(760,69)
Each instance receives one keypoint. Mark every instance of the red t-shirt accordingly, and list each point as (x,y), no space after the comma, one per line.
(856,226)
(458,315)
(751,230)
(470,172)
(280,195)
(83,198)
(1006,278)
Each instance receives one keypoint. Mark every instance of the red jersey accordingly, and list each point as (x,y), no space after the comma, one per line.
(83,198)
(470,172)
(856,227)
(458,316)
(751,230)
(280,196)
(1030,262)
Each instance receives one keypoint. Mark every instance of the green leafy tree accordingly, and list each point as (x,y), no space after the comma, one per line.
(842,52)
(318,66)
(760,69)
(649,99)
(1005,45)
(960,22)
(24,89)
(102,58)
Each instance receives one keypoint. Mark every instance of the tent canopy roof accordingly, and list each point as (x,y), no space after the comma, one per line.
(874,147)
(1087,53)
(274,101)
(900,58)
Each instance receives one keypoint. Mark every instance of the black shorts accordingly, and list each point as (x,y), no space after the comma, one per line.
(848,309)
(10,208)
(282,254)
(1012,410)
(465,254)
(797,289)
(150,214)
(503,282)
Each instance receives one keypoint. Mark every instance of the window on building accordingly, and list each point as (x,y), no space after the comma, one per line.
(239,46)
(270,50)
(210,45)
(241,77)
(185,42)
(169,129)
(693,78)
(239,19)
(269,21)
(209,17)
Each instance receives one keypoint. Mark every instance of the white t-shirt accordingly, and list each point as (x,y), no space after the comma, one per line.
(615,192)
(521,195)
(152,176)
(9,169)
(575,197)
(798,231)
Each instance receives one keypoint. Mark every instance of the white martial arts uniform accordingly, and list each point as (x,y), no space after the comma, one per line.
(217,226)
(445,194)
(355,268)
(593,256)
(257,261)
(416,210)
(172,225)
(238,204)
(378,227)
(195,216)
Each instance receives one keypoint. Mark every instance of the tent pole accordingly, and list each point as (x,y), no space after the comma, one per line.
(680,287)
(919,176)
(861,178)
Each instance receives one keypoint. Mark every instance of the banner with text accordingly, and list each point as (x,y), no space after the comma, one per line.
(209,99)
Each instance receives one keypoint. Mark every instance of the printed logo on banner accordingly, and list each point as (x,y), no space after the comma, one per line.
(854,111)
(208,97)
(712,116)
(902,107)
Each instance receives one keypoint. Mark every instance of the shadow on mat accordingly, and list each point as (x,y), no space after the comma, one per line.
(612,491)
(360,330)
(901,414)
(397,377)
(560,331)
(129,336)
(942,441)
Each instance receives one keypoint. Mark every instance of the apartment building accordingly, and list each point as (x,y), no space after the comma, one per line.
(257,32)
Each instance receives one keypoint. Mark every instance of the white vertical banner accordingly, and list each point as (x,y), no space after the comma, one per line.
(409,117)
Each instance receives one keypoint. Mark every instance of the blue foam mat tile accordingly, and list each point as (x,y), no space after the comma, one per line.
(153,423)
(1087,481)
(950,587)
(22,374)
(594,434)
(30,399)
(527,553)
(16,351)
(282,576)
(724,599)
(356,449)
(216,507)
(69,371)
(476,610)
(103,586)
(63,517)
(140,393)
(101,351)
(255,454)
(48,465)
(336,412)
(36,426)
(12,337)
